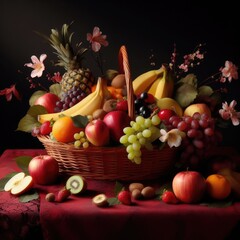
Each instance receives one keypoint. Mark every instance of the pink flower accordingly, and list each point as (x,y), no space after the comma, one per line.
(97,39)
(9,92)
(230,71)
(37,65)
(184,67)
(228,112)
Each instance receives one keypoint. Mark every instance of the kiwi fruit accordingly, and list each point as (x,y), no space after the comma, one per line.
(110,105)
(76,184)
(100,200)
(99,113)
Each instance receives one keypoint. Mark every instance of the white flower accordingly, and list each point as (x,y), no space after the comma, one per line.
(173,137)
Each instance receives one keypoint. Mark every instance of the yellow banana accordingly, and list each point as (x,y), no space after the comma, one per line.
(153,88)
(145,80)
(96,102)
(170,103)
(165,84)
(84,107)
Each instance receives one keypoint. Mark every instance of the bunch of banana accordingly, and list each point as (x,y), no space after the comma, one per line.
(163,86)
(144,81)
(85,107)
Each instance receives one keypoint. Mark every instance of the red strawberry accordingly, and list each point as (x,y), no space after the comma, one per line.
(169,197)
(63,194)
(125,197)
(45,128)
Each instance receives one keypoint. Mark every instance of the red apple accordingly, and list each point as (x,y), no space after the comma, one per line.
(47,100)
(97,133)
(19,184)
(116,122)
(189,186)
(44,169)
(122,105)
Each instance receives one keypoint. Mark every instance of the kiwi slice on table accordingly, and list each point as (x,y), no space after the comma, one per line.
(76,184)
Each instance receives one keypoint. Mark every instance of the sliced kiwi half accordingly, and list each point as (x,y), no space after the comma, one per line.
(76,184)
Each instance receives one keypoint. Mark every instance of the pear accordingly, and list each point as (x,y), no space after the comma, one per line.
(234,178)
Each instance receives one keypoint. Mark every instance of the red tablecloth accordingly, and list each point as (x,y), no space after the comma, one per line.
(78,218)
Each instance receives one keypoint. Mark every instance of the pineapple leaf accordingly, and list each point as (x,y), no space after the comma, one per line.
(55,40)
(64,51)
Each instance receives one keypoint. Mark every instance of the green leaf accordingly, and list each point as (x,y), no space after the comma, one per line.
(118,188)
(4,180)
(35,96)
(80,121)
(185,94)
(27,123)
(190,79)
(36,110)
(55,89)
(30,120)
(205,91)
(29,196)
(163,188)
(113,201)
(23,162)
(221,203)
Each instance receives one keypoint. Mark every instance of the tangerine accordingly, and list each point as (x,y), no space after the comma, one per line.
(217,186)
(63,129)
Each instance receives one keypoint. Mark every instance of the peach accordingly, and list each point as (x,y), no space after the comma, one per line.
(197,107)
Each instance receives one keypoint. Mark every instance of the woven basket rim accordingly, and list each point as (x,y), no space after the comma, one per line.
(70,146)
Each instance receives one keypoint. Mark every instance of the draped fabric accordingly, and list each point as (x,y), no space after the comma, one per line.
(79,218)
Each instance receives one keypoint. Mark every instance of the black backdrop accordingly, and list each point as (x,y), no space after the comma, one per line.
(145,28)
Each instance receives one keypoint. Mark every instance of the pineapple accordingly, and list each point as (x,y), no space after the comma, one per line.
(71,60)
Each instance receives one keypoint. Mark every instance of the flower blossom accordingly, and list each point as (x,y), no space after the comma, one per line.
(228,112)
(37,65)
(56,77)
(173,137)
(230,71)
(9,92)
(97,39)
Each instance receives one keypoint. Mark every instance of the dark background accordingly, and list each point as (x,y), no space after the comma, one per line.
(145,28)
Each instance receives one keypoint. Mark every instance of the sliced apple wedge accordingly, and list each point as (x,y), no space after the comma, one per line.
(19,184)
(14,181)
(23,186)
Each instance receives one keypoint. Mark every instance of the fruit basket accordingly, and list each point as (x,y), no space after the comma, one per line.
(111,163)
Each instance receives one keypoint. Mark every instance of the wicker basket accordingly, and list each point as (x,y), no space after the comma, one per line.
(111,163)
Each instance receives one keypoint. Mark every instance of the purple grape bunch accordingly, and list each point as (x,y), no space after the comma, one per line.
(69,99)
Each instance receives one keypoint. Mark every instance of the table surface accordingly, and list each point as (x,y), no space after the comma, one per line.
(79,218)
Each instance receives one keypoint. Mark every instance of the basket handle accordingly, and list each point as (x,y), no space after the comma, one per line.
(125,68)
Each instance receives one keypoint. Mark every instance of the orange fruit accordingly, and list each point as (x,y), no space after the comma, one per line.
(217,186)
(63,129)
